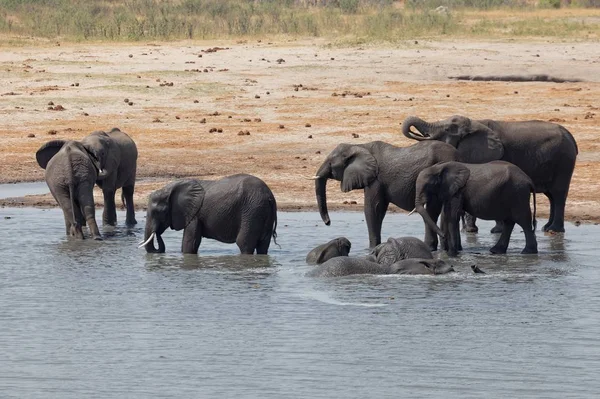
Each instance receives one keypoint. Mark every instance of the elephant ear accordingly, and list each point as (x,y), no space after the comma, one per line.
(480,144)
(455,177)
(360,171)
(185,202)
(47,151)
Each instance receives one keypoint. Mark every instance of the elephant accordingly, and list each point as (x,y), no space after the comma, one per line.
(117,154)
(237,209)
(71,172)
(396,249)
(545,151)
(496,190)
(386,173)
(337,247)
(344,266)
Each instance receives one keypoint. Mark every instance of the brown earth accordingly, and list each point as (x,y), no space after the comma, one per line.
(353,95)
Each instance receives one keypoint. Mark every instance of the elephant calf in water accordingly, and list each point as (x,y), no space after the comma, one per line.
(337,247)
(237,209)
(344,266)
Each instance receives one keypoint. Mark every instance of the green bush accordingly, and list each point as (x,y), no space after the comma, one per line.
(549,3)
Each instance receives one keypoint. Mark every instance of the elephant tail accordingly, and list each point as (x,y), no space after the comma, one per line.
(534,220)
(72,187)
(122,195)
(274,210)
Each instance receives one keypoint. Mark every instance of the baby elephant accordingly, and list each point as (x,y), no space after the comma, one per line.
(237,209)
(344,266)
(395,249)
(496,190)
(337,247)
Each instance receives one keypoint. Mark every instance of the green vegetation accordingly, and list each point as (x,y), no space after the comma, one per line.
(372,20)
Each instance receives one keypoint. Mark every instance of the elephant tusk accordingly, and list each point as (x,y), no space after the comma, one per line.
(313,178)
(413,211)
(150,239)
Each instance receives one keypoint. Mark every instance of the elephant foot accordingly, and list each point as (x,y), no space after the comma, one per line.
(130,222)
(553,229)
(529,251)
(498,249)
(496,229)
(452,253)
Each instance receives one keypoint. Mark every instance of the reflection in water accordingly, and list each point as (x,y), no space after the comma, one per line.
(82,317)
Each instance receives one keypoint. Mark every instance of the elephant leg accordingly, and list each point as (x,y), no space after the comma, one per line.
(431,238)
(470,226)
(498,228)
(88,211)
(552,209)
(557,224)
(502,244)
(192,237)
(128,195)
(109,216)
(375,208)
(263,246)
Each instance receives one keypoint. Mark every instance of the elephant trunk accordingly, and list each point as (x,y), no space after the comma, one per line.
(322,175)
(422,128)
(152,231)
(427,219)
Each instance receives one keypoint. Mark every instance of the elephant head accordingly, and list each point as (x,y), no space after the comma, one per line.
(353,165)
(176,205)
(439,183)
(475,142)
(396,249)
(51,148)
(421,266)
(98,146)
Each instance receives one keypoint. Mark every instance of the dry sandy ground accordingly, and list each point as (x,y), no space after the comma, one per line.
(178,92)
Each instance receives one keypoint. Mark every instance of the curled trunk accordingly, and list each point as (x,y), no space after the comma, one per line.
(323,174)
(149,231)
(422,126)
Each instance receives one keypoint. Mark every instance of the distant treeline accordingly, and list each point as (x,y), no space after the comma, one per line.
(200,19)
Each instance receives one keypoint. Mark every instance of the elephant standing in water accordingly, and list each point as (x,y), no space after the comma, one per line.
(337,247)
(496,190)
(117,155)
(545,151)
(71,172)
(387,174)
(237,209)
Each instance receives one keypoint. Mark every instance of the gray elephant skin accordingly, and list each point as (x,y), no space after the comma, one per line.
(237,209)
(117,154)
(344,266)
(71,173)
(339,246)
(545,151)
(497,190)
(386,173)
(396,249)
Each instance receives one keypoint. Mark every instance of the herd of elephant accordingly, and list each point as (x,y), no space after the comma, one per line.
(459,169)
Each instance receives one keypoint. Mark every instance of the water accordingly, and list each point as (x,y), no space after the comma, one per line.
(21,189)
(106,320)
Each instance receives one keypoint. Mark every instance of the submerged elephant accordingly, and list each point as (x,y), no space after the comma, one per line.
(71,173)
(386,173)
(496,190)
(397,249)
(237,209)
(344,266)
(337,247)
(545,151)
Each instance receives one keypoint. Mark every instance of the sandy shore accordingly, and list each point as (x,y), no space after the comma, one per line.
(298,100)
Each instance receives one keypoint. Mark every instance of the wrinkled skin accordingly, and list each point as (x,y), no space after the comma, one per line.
(344,266)
(237,209)
(337,247)
(71,174)
(494,191)
(545,151)
(386,173)
(397,249)
(117,155)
